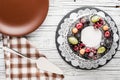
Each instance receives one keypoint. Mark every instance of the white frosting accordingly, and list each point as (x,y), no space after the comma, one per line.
(91,37)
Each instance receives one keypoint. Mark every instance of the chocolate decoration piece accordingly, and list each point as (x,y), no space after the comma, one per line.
(20,17)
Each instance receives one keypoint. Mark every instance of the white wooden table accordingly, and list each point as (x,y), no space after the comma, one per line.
(44,39)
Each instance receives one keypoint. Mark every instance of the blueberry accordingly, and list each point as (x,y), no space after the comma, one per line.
(108,43)
(86,56)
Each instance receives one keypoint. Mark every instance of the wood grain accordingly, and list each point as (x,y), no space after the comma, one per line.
(44,39)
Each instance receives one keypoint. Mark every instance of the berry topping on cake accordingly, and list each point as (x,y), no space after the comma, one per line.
(81,45)
(87,50)
(79,26)
(72,40)
(82,51)
(105,28)
(101,50)
(83,20)
(75,30)
(107,34)
(98,24)
(75,48)
(95,19)
(91,55)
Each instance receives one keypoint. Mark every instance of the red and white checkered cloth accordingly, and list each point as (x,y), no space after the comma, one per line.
(18,68)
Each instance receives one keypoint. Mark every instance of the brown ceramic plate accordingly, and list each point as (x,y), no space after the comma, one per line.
(20,17)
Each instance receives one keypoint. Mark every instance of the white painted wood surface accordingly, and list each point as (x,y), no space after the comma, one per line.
(44,39)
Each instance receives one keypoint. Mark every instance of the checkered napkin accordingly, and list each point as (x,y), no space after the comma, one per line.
(19,68)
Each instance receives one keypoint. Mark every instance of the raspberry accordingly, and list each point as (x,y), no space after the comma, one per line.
(98,24)
(107,34)
(79,26)
(94,50)
(83,20)
(87,50)
(76,48)
(81,45)
(91,55)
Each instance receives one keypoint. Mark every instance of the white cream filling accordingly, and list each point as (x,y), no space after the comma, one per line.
(91,37)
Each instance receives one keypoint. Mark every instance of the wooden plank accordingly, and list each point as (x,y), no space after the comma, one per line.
(104,3)
(57,19)
(101,77)
(65,0)
(97,0)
